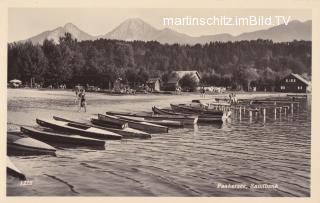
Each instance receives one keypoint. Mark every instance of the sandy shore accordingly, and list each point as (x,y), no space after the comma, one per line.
(25,105)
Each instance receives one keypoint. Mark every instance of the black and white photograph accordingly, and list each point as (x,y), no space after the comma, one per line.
(158,102)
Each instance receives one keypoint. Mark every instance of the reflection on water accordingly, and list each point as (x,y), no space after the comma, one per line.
(184,162)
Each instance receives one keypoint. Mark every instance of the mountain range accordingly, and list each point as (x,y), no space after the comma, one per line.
(137,29)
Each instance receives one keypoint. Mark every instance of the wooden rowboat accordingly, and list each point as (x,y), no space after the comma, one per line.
(78,129)
(201,117)
(134,117)
(126,132)
(14,171)
(181,108)
(140,125)
(185,120)
(18,144)
(50,137)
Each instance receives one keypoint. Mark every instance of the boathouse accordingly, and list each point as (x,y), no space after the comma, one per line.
(154,84)
(174,78)
(294,83)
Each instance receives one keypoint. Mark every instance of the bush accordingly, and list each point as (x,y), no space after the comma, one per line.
(188,83)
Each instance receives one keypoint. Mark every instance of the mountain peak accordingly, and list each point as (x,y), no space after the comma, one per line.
(69,25)
(134,20)
(58,32)
(135,23)
(292,22)
(132,29)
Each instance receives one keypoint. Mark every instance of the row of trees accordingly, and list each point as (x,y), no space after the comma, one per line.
(101,62)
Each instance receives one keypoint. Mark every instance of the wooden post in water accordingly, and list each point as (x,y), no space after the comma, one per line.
(275,113)
(264,114)
(280,108)
(240,113)
(292,109)
(250,115)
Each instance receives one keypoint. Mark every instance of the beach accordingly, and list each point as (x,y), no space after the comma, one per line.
(25,105)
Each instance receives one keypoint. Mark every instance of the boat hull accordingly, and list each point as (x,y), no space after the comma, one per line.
(76,128)
(20,145)
(126,132)
(14,171)
(201,118)
(192,110)
(144,126)
(168,123)
(185,120)
(60,138)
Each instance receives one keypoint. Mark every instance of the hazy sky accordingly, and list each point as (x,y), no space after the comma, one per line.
(27,22)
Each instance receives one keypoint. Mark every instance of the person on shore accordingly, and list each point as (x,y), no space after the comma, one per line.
(178,90)
(77,91)
(203,92)
(235,100)
(82,100)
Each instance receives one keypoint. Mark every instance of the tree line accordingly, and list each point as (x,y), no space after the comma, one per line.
(100,62)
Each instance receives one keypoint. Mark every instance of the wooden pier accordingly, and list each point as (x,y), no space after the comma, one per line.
(258,107)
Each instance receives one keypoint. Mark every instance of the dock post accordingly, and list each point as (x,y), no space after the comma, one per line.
(285,111)
(250,115)
(291,108)
(240,113)
(275,113)
(280,108)
(264,114)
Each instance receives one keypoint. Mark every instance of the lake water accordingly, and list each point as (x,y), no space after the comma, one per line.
(184,162)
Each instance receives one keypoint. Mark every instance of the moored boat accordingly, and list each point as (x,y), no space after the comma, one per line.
(126,132)
(140,125)
(14,171)
(114,125)
(79,129)
(18,144)
(51,137)
(185,120)
(163,122)
(202,118)
(181,108)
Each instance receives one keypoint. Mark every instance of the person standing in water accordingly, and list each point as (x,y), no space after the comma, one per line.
(82,100)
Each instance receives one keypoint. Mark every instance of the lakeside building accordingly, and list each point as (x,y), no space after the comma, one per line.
(154,84)
(294,83)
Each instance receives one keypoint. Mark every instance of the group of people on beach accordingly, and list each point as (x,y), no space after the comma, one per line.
(233,98)
(81,98)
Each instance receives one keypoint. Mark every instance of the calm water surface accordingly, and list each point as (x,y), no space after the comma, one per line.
(184,162)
